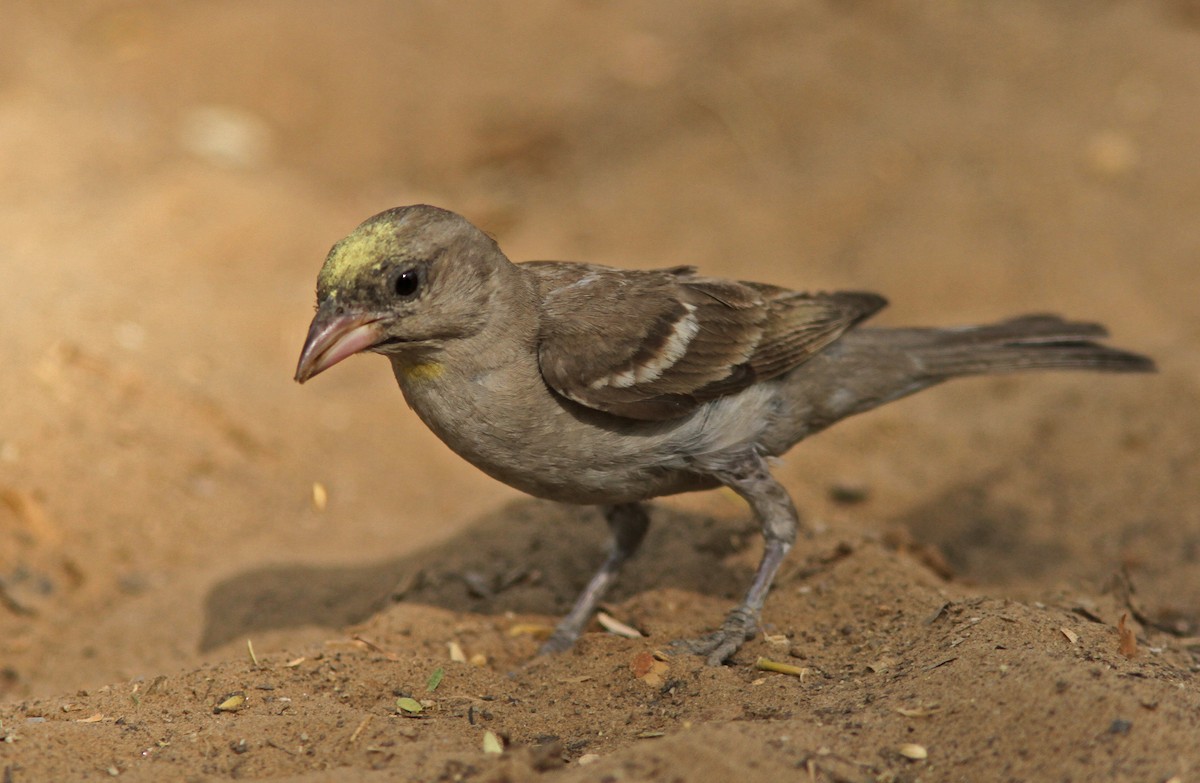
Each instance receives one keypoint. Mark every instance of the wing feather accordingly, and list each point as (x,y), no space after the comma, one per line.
(656,344)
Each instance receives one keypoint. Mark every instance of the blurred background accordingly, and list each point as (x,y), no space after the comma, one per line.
(172,174)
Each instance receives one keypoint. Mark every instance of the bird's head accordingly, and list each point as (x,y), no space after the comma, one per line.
(404,281)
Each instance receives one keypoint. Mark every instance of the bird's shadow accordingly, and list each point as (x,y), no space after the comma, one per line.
(528,557)
(533,557)
(982,537)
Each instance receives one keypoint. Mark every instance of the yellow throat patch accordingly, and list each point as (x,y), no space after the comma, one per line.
(422,371)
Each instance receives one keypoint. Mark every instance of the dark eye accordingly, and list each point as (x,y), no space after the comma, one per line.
(406,283)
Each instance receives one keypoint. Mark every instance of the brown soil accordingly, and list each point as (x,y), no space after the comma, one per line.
(172,176)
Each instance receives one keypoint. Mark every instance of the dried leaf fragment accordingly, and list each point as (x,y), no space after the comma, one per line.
(940,663)
(456,652)
(767,665)
(155,684)
(536,630)
(320,496)
(1128,640)
(492,743)
(919,712)
(649,669)
(936,613)
(359,730)
(913,751)
(1072,637)
(31,513)
(641,664)
(99,716)
(615,626)
(409,705)
(370,645)
(233,702)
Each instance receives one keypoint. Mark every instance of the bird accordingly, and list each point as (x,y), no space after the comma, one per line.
(589,384)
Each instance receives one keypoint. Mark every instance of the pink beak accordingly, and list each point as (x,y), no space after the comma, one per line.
(333,338)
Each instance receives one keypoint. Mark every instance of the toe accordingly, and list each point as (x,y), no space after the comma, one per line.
(723,652)
(558,642)
(719,646)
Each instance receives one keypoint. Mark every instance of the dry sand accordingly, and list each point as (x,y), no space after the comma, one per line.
(171,177)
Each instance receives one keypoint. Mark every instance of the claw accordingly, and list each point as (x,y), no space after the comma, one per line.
(719,646)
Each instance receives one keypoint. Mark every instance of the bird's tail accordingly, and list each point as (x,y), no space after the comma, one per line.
(1031,342)
(869,367)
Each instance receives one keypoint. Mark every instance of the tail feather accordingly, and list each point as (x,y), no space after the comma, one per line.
(1033,342)
(869,367)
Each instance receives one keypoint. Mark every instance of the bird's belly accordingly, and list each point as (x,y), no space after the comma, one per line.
(556,458)
(532,440)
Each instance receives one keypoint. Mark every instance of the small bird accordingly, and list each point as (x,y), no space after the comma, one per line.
(593,385)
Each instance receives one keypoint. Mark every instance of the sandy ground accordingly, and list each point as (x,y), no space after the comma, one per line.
(171,177)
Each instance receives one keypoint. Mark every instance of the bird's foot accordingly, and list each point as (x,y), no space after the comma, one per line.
(563,638)
(719,646)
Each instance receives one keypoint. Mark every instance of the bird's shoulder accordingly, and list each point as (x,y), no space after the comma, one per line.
(655,344)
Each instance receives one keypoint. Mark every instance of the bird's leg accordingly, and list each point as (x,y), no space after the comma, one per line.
(628,523)
(750,478)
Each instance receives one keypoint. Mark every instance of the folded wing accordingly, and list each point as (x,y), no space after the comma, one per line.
(656,344)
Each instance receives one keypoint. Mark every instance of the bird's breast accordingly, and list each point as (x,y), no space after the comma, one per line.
(506,422)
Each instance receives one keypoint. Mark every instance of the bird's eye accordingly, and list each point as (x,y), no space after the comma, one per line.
(406,283)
